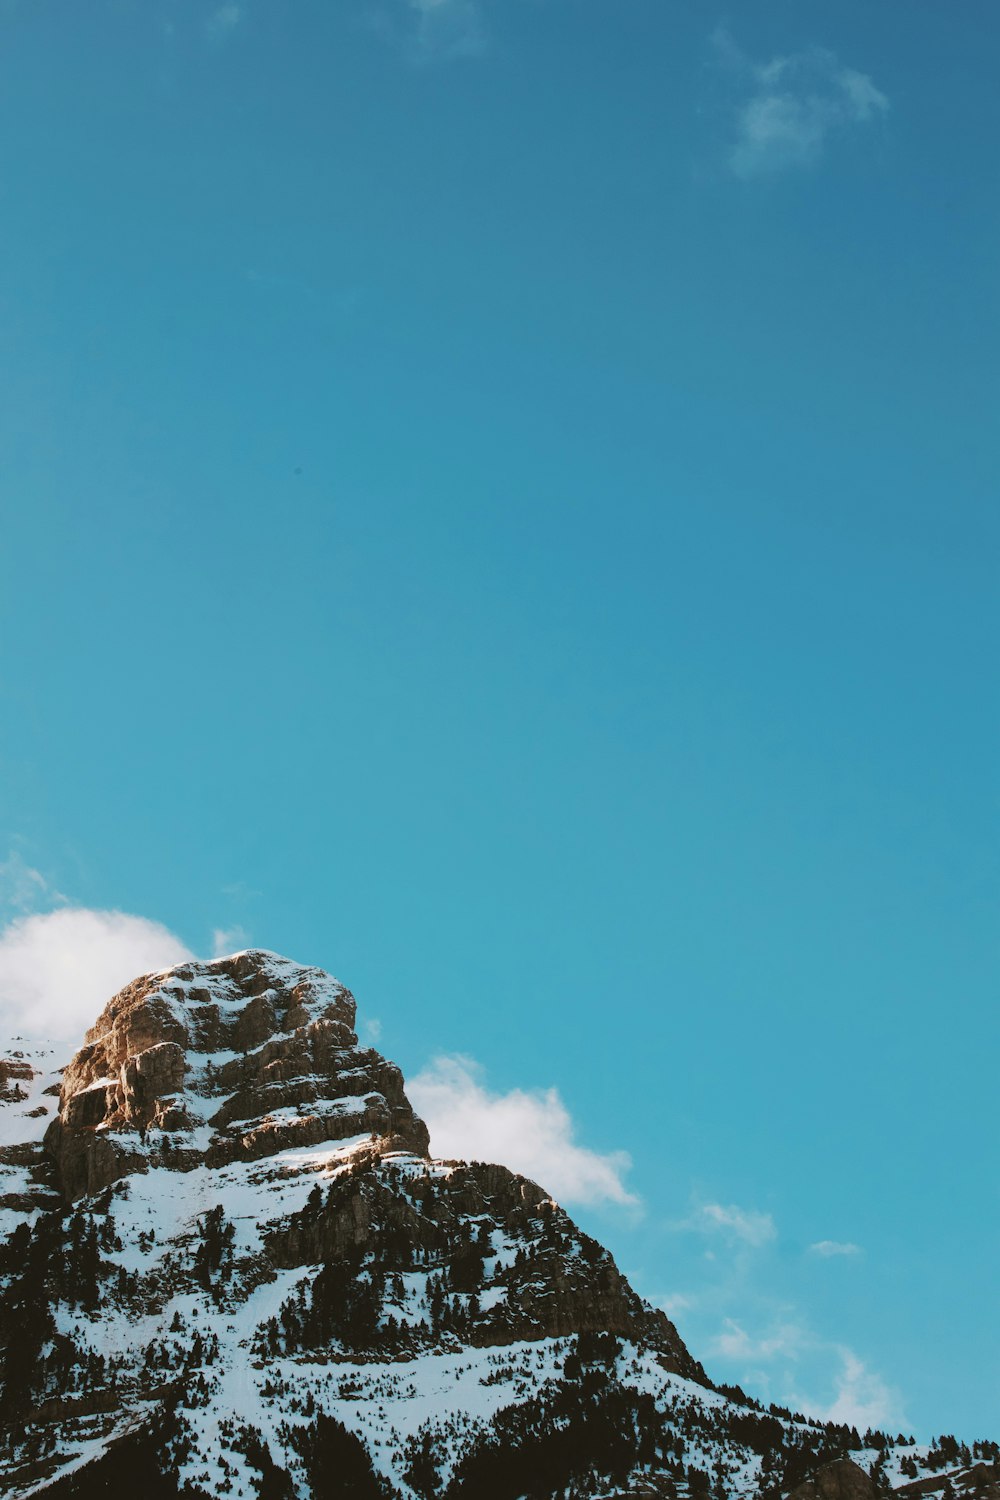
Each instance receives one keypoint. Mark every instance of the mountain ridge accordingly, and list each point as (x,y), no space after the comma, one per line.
(226,1251)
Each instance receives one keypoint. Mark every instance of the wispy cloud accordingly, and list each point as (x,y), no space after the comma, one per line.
(433,30)
(223,21)
(789,107)
(58,968)
(673,1302)
(768,1342)
(828,1248)
(769,1356)
(863,1399)
(23,888)
(530,1131)
(783,1341)
(735,1224)
(226,940)
(450,28)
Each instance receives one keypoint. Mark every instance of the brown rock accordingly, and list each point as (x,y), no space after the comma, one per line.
(15,1072)
(840,1480)
(552,1292)
(235,1059)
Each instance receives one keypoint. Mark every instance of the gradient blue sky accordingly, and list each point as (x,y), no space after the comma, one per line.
(499,500)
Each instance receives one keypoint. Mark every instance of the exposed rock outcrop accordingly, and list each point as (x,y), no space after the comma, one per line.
(15,1072)
(26,1176)
(561,1283)
(840,1480)
(229,1060)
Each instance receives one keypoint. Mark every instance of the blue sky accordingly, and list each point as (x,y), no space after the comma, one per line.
(499,500)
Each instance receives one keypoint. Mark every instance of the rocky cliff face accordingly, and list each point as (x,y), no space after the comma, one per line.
(230,1267)
(28,1087)
(840,1480)
(232,1060)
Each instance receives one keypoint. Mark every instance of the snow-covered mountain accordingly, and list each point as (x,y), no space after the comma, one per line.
(229,1266)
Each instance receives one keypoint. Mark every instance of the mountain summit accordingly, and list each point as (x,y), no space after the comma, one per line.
(230,1266)
(233,1060)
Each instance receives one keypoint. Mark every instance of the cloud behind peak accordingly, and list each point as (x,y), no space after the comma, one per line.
(530,1131)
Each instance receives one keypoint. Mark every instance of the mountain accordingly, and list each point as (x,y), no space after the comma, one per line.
(229,1266)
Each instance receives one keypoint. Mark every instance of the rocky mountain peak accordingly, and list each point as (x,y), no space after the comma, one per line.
(207,1063)
(231,1003)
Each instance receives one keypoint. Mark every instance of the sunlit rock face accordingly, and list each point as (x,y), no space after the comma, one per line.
(215,1062)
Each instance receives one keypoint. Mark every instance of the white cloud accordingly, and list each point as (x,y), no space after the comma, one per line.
(223,21)
(740,1224)
(530,1132)
(827,1248)
(781,1342)
(21,887)
(863,1399)
(227,940)
(673,1303)
(792,105)
(57,969)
